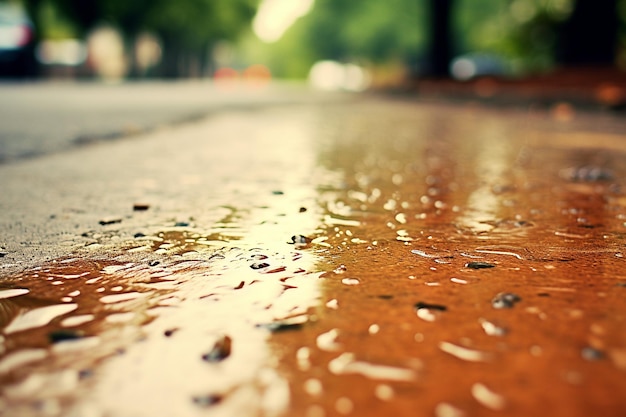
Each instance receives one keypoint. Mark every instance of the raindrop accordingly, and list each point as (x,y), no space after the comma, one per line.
(333,304)
(13,292)
(464,353)
(479,265)
(116,298)
(344,405)
(77,320)
(384,392)
(505,300)
(328,341)
(313,387)
(38,317)
(346,363)
(340,269)
(448,410)
(21,357)
(487,397)
(303,357)
(431,255)
(350,281)
(428,312)
(221,350)
(491,329)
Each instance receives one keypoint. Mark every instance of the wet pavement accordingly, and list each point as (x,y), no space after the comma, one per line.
(370,257)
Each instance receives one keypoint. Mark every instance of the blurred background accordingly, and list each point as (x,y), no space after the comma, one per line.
(335,44)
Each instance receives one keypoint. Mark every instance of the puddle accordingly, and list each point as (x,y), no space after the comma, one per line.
(446,269)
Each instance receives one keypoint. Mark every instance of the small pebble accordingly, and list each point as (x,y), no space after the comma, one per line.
(206,400)
(140,207)
(220,350)
(105,222)
(505,300)
(64,335)
(479,265)
(591,354)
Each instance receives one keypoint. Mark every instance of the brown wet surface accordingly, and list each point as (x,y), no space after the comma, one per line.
(465,262)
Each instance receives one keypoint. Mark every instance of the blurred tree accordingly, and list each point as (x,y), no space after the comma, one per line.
(367,31)
(187,28)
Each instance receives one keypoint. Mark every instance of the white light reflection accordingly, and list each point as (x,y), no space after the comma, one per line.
(274,17)
(492,165)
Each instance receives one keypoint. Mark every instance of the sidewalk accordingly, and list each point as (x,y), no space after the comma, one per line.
(368,258)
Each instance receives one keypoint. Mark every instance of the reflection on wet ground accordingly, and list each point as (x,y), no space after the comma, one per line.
(465,262)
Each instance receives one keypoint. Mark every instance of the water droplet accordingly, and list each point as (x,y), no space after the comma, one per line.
(303,357)
(328,341)
(313,387)
(439,255)
(464,353)
(21,357)
(344,405)
(350,281)
(221,350)
(77,320)
(13,292)
(38,317)
(384,392)
(487,397)
(341,269)
(428,312)
(346,363)
(479,265)
(117,298)
(333,304)
(373,329)
(491,329)
(505,300)
(448,410)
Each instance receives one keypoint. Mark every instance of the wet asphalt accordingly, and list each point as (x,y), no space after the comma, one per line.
(352,255)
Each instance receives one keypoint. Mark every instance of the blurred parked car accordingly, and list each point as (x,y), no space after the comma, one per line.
(17,42)
(476,65)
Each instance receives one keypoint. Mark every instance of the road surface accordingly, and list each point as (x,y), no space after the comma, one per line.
(352,255)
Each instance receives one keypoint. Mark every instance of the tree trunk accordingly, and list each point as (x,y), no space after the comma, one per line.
(440,52)
(589,36)
(170,66)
